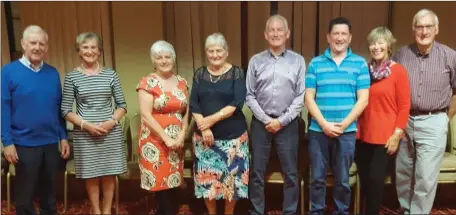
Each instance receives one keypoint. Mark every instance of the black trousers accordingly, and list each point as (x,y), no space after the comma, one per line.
(372,162)
(166,201)
(36,168)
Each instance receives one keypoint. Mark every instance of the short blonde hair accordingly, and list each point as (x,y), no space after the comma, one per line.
(216,39)
(279,18)
(162,46)
(381,33)
(83,37)
(422,13)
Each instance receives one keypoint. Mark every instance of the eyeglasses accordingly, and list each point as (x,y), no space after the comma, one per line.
(422,27)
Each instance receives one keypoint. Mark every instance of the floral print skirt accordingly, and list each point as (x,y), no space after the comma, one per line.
(221,171)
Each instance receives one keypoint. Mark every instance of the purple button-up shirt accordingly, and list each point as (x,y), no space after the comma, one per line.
(276,86)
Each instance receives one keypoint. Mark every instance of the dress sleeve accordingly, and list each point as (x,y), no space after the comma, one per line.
(240,89)
(67,96)
(117,92)
(147,84)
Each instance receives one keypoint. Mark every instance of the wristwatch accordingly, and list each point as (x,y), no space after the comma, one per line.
(115,120)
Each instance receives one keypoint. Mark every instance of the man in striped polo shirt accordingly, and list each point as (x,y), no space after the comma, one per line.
(337,91)
(432,74)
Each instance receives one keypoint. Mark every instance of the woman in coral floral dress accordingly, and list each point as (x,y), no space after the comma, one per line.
(164,113)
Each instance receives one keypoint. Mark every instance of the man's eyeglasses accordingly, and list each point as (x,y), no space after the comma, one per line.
(422,27)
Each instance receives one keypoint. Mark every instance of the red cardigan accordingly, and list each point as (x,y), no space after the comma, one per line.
(388,108)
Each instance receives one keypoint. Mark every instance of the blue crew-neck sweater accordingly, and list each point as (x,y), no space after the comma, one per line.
(31,106)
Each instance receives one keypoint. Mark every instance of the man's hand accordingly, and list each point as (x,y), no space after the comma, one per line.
(273,126)
(330,129)
(11,154)
(65,151)
(341,127)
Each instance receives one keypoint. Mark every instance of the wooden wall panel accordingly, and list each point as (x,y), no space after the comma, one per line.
(106,33)
(6,58)
(69,31)
(184,47)
(229,16)
(327,11)
(402,16)
(286,10)
(308,30)
(257,15)
(360,15)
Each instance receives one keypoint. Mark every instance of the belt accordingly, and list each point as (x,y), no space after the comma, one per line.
(420,112)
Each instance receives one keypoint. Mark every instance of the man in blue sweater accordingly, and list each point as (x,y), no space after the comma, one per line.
(32,125)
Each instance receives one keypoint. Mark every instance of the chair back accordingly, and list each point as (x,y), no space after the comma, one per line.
(135,125)
(451,137)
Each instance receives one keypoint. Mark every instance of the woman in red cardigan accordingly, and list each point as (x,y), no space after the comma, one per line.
(382,124)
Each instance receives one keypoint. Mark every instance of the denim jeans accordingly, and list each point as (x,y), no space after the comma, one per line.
(286,141)
(338,153)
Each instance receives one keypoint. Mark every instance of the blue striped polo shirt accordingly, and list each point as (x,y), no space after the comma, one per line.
(336,86)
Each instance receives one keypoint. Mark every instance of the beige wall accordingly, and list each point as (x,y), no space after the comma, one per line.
(136,25)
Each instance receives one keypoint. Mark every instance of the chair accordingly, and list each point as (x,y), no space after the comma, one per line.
(70,170)
(11,172)
(448,168)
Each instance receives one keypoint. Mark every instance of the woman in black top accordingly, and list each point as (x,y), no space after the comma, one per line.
(220,139)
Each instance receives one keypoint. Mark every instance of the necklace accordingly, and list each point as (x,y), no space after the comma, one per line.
(218,77)
(210,77)
(94,72)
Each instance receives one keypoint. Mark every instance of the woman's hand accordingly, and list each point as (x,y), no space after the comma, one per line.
(392,144)
(169,142)
(208,137)
(107,125)
(180,140)
(94,130)
(206,122)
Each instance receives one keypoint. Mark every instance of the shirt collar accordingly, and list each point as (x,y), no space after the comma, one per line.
(27,63)
(280,55)
(328,52)
(417,51)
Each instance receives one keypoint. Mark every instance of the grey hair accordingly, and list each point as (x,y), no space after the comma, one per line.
(216,39)
(381,33)
(83,37)
(162,46)
(279,18)
(422,13)
(33,29)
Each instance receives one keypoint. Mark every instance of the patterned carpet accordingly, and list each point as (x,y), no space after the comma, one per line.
(135,201)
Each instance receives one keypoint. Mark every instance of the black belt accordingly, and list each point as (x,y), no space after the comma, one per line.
(420,112)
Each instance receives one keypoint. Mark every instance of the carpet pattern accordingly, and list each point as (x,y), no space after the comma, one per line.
(143,207)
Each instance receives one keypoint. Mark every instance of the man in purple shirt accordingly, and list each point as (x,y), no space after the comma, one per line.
(275,94)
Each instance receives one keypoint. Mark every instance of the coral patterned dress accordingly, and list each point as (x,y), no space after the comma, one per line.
(161,167)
